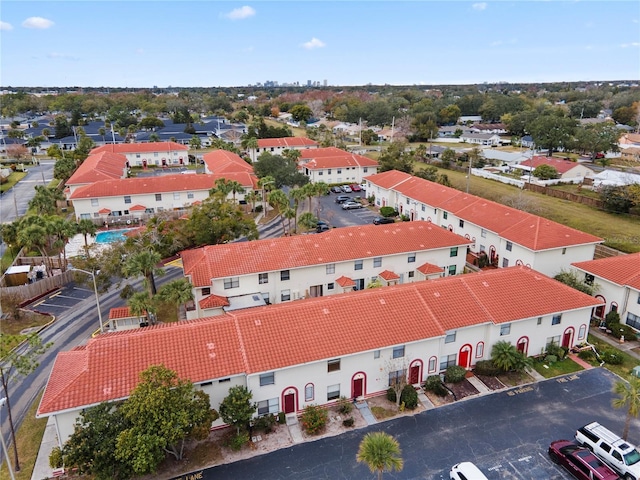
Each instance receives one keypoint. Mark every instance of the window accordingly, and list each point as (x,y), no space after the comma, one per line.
(509,246)
(308,392)
(94,202)
(284,275)
(582,332)
(633,320)
(461,223)
(365,169)
(158,197)
(190,195)
(320,173)
(208,384)
(233,282)
(176,195)
(127,199)
(452,269)
(556,319)
(333,392)
(330,286)
(483,248)
(328,171)
(564,250)
(447,361)
(377,262)
(126,212)
(397,377)
(432,365)
(479,349)
(263,278)
(539,320)
(423,208)
(638,301)
(453,252)
(398,352)
(223,380)
(376,354)
(357,265)
(85,215)
(412,274)
(505,262)
(339,170)
(483,233)
(445,215)
(331,268)
(450,337)
(411,258)
(206,291)
(553,340)
(333,365)
(268,406)
(505,329)
(267,379)
(285,295)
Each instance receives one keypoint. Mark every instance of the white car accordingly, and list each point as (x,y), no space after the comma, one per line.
(346,189)
(466,471)
(351,205)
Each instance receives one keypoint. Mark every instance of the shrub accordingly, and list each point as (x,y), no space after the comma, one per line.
(348,422)
(409,397)
(611,318)
(620,329)
(434,384)
(258,209)
(391,395)
(265,423)
(55,458)
(282,418)
(555,350)
(550,359)
(371,199)
(487,367)
(313,419)
(388,212)
(612,357)
(345,406)
(455,374)
(404,218)
(237,441)
(587,355)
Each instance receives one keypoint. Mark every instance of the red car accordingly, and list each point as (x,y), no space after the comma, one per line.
(579,461)
(355,187)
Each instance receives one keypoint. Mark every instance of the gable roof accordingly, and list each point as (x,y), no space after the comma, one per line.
(125,148)
(99,166)
(331,157)
(525,229)
(561,165)
(336,245)
(234,344)
(286,142)
(145,185)
(220,161)
(623,270)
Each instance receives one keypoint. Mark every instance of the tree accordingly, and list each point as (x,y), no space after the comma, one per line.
(545,172)
(86,227)
(616,198)
(283,170)
(44,202)
(64,167)
(447,157)
(163,411)
(144,263)
(279,200)
(35,236)
(142,305)
(62,127)
(368,136)
(308,220)
(571,278)
(629,397)
(595,138)
(396,157)
(508,358)
(552,131)
(301,113)
(177,292)
(195,142)
(17,152)
(216,221)
(91,449)
(62,230)
(381,452)
(237,409)
(15,362)
(429,172)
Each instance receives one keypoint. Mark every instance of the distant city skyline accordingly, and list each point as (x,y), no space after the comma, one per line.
(223,44)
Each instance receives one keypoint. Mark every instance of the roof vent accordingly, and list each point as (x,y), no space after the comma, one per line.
(325,311)
(485,284)
(106,390)
(212,355)
(382,302)
(211,346)
(436,294)
(257,322)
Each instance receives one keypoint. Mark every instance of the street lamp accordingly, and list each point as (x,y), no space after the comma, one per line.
(95,290)
(3,400)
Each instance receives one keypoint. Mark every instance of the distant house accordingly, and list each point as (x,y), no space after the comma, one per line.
(615,178)
(631,154)
(121,318)
(527,141)
(566,168)
(276,146)
(486,139)
(469,119)
(497,128)
(503,158)
(333,165)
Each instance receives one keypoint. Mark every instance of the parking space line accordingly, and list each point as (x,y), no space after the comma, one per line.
(67,296)
(55,294)
(83,289)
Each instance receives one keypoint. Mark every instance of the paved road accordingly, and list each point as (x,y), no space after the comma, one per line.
(506,434)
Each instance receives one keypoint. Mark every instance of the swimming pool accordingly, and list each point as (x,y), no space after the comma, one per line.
(110,236)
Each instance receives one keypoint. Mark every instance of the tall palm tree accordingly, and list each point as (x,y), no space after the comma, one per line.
(222,186)
(62,230)
(144,263)
(504,355)
(178,292)
(381,452)
(141,304)
(235,187)
(35,236)
(629,396)
(297,195)
(278,199)
(266,183)
(86,227)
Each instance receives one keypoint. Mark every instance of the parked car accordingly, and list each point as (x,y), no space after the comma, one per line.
(351,205)
(342,198)
(336,189)
(466,471)
(616,452)
(322,228)
(346,189)
(383,220)
(356,188)
(579,461)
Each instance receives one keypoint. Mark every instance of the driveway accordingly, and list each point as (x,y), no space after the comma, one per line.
(327,210)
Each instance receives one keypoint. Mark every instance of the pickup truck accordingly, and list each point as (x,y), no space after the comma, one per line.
(619,454)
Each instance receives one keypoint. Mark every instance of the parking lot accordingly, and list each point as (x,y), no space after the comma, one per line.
(331,212)
(62,300)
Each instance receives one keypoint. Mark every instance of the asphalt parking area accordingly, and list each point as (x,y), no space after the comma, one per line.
(62,300)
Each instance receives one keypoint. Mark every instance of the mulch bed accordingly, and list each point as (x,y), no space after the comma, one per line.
(491,382)
(463,389)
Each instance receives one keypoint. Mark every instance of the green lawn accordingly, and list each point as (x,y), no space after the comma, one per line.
(14,178)
(623,370)
(561,367)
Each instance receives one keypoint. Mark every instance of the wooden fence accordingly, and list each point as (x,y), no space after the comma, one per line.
(572,197)
(39,288)
(605,252)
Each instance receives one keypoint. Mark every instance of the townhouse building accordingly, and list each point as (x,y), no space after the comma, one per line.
(97,167)
(248,274)
(333,165)
(276,146)
(617,282)
(159,154)
(506,235)
(314,351)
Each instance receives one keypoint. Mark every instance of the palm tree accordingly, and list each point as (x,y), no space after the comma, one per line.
(178,292)
(44,200)
(278,199)
(141,304)
(381,452)
(252,197)
(102,132)
(35,236)
(144,263)
(308,220)
(297,195)
(629,396)
(266,184)
(504,355)
(221,186)
(87,227)
(235,187)
(62,230)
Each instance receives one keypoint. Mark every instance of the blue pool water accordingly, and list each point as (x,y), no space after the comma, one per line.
(110,236)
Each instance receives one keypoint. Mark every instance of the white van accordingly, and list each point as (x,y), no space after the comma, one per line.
(616,452)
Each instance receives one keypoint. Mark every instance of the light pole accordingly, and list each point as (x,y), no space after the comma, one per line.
(3,400)
(95,290)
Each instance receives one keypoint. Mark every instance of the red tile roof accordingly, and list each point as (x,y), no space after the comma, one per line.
(120,312)
(137,208)
(125,148)
(561,166)
(286,142)
(99,166)
(214,301)
(335,245)
(429,269)
(223,161)
(104,211)
(345,282)
(146,185)
(389,275)
(530,231)
(621,270)
(331,157)
(312,330)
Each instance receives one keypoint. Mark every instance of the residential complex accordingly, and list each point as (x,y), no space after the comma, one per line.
(332,165)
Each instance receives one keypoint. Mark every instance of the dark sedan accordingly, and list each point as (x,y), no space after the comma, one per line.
(382,220)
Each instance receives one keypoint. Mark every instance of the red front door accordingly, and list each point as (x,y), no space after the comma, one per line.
(463,358)
(289,403)
(414,375)
(566,339)
(357,387)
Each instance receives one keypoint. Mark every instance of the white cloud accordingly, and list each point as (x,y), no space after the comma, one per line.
(240,13)
(632,44)
(479,6)
(6,26)
(37,22)
(62,56)
(313,43)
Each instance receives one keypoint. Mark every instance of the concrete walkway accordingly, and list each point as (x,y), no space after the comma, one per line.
(481,387)
(363,407)
(294,429)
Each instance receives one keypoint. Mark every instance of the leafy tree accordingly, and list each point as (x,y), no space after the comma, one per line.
(217,221)
(585,108)
(552,131)
(301,113)
(163,411)
(195,142)
(17,152)
(381,452)
(62,230)
(428,173)
(44,200)
(91,449)
(62,127)
(151,123)
(571,278)
(625,115)
(144,263)
(616,198)
(601,137)
(283,170)
(369,136)
(396,157)
(237,409)
(507,357)
(545,172)
(87,228)
(447,157)
(629,397)
(18,362)
(64,167)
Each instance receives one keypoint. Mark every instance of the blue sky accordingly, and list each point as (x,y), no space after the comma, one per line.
(211,43)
